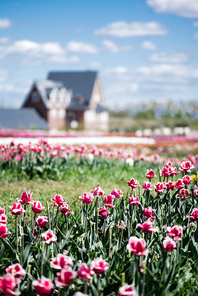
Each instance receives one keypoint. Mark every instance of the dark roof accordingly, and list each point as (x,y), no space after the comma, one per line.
(81,83)
(26,118)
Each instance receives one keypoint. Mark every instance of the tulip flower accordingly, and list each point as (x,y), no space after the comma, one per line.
(148,213)
(79,294)
(179,184)
(147,186)
(99,265)
(108,201)
(160,187)
(87,198)
(65,277)
(186,179)
(170,185)
(103,212)
(184,193)
(85,272)
(61,261)
(127,290)
(57,200)
(3,219)
(16,209)
(122,225)
(25,198)
(41,221)
(37,207)
(43,286)
(147,227)
(132,183)
(186,166)
(2,211)
(97,191)
(168,244)
(175,232)
(8,284)
(134,201)
(64,208)
(116,192)
(49,237)
(137,246)
(150,174)
(3,231)
(16,270)
(194,215)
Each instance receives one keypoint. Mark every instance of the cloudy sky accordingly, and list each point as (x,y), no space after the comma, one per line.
(143,49)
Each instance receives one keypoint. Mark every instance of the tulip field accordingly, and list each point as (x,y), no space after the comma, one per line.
(125,224)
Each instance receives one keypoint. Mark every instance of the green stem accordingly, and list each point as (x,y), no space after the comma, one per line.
(16,221)
(86,209)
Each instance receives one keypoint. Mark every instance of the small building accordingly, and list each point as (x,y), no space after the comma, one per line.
(67,97)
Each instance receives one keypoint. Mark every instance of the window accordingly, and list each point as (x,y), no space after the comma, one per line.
(35,97)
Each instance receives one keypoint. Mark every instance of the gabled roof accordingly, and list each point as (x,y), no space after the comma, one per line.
(44,88)
(26,118)
(81,83)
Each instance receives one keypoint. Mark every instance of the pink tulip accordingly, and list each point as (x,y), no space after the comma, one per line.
(160,187)
(65,277)
(186,166)
(37,207)
(2,211)
(148,213)
(85,272)
(16,209)
(147,186)
(168,244)
(49,237)
(61,261)
(175,232)
(186,179)
(57,200)
(3,219)
(43,286)
(25,198)
(134,201)
(127,290)
(170,185)
(147,227)
(137,246)
(16,270)
(196,191)
(103,212)
(97,191)
(150,174)
(41,221)
(108,201)
(116,192)
(64,208)
(122,225)
(184,193)
(87,198)
(8,284)
(3,231)
(79,294)
(99,265)
(194,215)
(179,184)
(132,183)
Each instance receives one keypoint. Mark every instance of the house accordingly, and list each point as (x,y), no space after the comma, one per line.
(68,97)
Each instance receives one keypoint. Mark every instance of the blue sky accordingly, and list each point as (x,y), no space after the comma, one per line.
(143,49)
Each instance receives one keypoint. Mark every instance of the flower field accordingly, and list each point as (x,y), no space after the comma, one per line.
(140,238)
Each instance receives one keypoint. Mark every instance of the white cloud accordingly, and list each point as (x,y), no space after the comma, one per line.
(4,40)
(118,70)
(3,75)
(195,24)
(123,29)
(195,36)
(134,87)
(164,57)
(5,23)
(148,45)
(29,52)
(81,47)
(185,8)
(11,88)
(95,64)
(114,48)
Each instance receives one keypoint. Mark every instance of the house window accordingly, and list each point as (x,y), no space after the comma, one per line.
(35,97)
